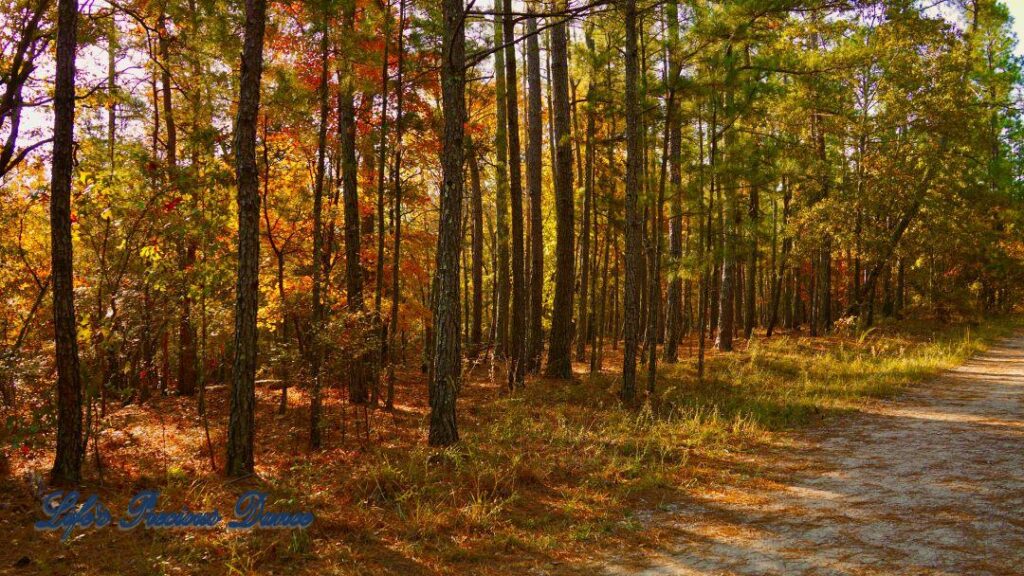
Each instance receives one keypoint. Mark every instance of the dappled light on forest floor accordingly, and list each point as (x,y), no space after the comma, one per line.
(543,479)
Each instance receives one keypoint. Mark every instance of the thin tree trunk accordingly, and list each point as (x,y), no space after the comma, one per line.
(316,346)
(787,244)
(654,298)
(726,304)
(534,154)
(349,168)
(750,274)
(503,292)
(631,296)
(476,331)
(518,312)
(396,211)
(589,220)
(673,328)
(186,384)
(382,164)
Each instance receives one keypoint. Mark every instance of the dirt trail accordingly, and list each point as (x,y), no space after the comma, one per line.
(930,483)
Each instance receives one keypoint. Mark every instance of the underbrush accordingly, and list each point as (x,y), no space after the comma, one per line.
(542,477)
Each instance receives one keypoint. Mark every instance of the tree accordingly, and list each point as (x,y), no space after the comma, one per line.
(559,350)
(447,361)
(673,314)
(316,353)
(503,290)
(67,465)
(534,168)
(241,425)
(631,290)
(349,168)
(518,336)
(29,40)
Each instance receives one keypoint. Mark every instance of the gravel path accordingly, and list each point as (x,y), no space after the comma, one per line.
(931,483)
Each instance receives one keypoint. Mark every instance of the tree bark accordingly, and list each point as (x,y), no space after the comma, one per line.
(67,465)
(726,303)
(787,244)
(518,336)
(503,291)
(349,168)
(186,384)
(396,213)
(673,328)
(447,362)
(241,422)
(631,295)
(560,348)
(534,154)
(587,261)
(750,274)
(316,346)
(476,330)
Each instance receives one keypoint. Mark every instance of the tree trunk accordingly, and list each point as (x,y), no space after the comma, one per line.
(396,211)
(631,295)
(750,274)
(583,325)
(673,328)
(787,244)
(382,164)
(447,357)
(654,292)
(726,304)
(186,384)
(476,330)
(349,168)
(501,276)
(534,154)
(363,365)
(560,348)
(67,465)
(241,424)
(316,345)
(518,312)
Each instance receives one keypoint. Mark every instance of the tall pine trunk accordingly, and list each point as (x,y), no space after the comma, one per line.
(588,257)
(476,202)
(517,339)
(728,211)
(316,346)
(559,350)
(396,211)
(673,327)
(501,276)
(534,154)
(67,465)
(241,424)
(447,357)
(349,168)
(750,274)
(631,294)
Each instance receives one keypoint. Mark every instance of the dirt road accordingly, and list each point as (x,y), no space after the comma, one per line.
(929,483)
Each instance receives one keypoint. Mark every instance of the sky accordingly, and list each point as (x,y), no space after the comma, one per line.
(1017,11)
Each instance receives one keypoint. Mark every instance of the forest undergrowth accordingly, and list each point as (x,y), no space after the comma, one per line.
(541,479)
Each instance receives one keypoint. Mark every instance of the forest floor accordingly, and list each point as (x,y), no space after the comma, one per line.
(929,483)
(741,472)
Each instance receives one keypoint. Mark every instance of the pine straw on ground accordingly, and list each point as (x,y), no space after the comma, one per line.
(540,481)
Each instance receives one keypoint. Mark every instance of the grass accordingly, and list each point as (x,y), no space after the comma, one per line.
(543,478)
